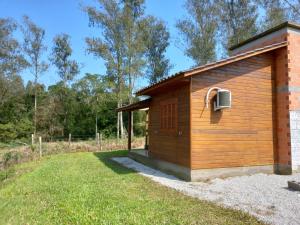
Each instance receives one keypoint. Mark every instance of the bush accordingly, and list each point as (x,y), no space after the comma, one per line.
(10,158)
(7,132)
(24,128)
(7,157)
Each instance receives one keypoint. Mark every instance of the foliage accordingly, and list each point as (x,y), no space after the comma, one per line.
(238,20)
(67,69)
(124,43)
(156,38)
(11,58)
(23,128)
(198,31)
(12,98)
(110,47)
(220,24)
(7,132)
(12,62)
(278,11)
(34,48)
(78,188)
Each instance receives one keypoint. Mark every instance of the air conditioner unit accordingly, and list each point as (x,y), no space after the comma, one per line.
(223,99)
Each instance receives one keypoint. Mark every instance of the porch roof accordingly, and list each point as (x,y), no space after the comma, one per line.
(135,106)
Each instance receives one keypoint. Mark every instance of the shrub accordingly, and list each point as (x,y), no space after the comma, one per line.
(7,132)
(32,147)
(10,158)
(7,157)
(24,128)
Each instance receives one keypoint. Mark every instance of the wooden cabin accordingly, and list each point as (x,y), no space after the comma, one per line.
(197,132)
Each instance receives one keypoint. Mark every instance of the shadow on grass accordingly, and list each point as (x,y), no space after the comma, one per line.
(105,157)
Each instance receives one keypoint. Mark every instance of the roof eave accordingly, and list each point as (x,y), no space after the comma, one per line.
(146,90)
(135,106)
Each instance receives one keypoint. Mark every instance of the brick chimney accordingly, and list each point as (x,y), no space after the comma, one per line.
(286,70)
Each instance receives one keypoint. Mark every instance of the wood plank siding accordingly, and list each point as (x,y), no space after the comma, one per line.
(171,145)
(242,135)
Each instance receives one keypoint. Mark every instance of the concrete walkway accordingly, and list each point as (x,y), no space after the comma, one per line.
(264,196)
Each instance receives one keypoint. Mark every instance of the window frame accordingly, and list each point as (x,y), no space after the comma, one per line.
(168,111)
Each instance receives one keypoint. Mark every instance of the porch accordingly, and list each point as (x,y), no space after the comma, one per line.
(141,105)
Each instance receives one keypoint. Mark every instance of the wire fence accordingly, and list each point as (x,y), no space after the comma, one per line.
(42,146)
(75,138)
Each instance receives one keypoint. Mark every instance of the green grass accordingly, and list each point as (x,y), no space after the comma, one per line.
(88,188)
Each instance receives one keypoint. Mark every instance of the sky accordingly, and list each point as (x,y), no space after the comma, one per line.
(66,16)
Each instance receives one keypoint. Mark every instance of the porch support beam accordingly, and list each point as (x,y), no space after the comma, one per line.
(129,130)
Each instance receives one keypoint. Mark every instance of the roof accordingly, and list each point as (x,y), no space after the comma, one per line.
(273,29)
(196,70)
(134,106)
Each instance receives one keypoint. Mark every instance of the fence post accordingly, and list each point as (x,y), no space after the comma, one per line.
(40,144)
(100,142)
(70,139)
(32,139)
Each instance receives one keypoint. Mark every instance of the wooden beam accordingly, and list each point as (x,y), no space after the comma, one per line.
(135,106)
(129,130)
(147,131)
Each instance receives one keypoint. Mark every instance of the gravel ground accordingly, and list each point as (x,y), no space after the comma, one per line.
(264,196)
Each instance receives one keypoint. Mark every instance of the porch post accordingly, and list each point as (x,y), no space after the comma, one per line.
(146,132)
(129,130)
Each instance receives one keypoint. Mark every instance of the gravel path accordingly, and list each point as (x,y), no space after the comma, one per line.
(264,196)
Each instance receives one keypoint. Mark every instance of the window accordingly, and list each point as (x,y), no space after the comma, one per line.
(168,115)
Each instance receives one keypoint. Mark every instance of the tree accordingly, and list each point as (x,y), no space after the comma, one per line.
(67,70)
(276,12)
(156,39)
(12,106)
(198,30)
(238,20)
(61,53)
(110,47)
(34,48)
(96,100)
(11,58)
(133,21)
(12,61)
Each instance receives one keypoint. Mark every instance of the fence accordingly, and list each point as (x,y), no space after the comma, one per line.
(41,146)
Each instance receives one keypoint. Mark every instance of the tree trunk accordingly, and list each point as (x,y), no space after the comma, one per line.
(35,99)
(118,124)
(35,110)
(122,125)
(96,125)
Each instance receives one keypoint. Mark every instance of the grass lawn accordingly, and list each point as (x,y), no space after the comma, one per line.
(88,188)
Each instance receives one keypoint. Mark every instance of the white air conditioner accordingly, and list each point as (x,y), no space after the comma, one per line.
(223,99)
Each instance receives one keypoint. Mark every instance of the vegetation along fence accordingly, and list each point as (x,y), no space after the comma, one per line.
(14,153)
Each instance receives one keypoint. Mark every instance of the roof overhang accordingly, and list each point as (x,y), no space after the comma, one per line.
(135,106)
(183,77)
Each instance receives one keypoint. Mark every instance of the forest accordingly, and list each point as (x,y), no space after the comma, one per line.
(133,46)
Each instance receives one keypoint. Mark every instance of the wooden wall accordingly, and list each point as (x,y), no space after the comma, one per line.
(242,135)
(171,146)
